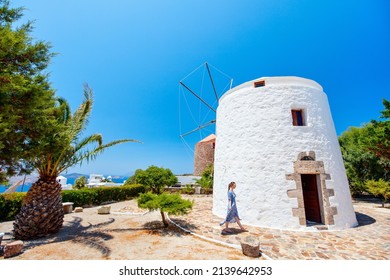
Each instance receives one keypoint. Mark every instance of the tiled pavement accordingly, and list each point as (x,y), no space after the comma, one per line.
(368,241)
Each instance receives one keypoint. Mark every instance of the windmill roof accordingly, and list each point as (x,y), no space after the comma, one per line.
(275,82)
(208,138)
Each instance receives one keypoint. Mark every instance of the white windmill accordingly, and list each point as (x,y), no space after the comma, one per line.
(276,139)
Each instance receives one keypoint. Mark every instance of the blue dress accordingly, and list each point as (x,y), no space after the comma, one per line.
(232,211)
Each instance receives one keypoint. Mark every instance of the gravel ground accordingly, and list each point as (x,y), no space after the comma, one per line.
(127,233)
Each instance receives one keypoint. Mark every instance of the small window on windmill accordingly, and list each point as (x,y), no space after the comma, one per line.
(298,117)
(307,158)
(260,83)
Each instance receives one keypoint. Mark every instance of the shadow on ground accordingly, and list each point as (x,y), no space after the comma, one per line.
(95,235)
(231,231)
(184,224)
(158,228)
(90,236)
(364,220)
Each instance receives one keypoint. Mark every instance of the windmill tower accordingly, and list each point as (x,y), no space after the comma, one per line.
(277,141)
(204,154)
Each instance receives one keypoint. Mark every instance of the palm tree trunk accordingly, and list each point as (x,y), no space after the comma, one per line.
(42,212)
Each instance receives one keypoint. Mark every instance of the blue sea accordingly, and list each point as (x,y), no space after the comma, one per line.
(18,189)
(26,186)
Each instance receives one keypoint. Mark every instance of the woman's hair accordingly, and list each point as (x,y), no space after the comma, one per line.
(231,185)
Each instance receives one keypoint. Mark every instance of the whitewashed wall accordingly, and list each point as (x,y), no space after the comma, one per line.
(257,145)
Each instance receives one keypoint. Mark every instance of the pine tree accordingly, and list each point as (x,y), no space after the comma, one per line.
(27,102)
(366,152)
(377,139)
(37,129)
(155,179)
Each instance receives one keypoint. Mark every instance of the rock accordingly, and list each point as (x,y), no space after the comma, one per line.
(250,247)
(12,249)
(78,209)
(104,210)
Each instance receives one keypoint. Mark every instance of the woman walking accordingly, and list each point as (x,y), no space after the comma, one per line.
(232,213)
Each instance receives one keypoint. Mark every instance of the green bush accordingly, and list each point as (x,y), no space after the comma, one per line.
(82,197)
(379,188)
(10,204)
(96,196)
(187,189)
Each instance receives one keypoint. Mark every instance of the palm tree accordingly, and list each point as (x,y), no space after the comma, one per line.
(42,212)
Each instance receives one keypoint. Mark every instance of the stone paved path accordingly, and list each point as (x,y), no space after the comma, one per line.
(369,241)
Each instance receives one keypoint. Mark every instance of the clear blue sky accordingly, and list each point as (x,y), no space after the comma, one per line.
(134,53)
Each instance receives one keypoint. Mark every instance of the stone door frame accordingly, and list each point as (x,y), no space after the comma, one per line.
(306,164)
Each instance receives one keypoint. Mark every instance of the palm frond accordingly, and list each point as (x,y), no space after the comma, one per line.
(90,155)
(64,110)
(94,138)
(79,120)
(75,125)
(65,149)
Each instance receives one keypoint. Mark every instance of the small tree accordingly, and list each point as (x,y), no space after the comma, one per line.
(379,188)
(172,204)
(188,189)
(155,179)
(80,182)
(207,179)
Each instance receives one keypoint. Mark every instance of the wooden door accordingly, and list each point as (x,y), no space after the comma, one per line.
(310,197)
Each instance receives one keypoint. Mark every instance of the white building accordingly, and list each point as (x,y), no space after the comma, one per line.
(95,180)
(276,139)
(64,183)
(98,180)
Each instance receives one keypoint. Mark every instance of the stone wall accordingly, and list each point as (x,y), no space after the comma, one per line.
(204,156)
